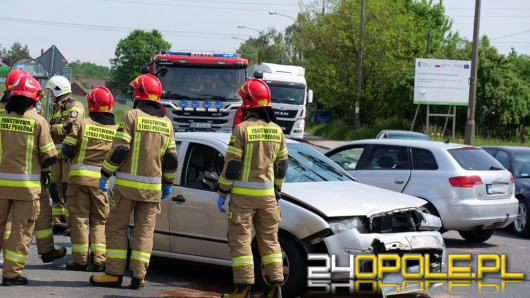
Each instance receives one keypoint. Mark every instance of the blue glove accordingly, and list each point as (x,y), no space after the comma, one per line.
(166,191)
(220,203)
(102,184)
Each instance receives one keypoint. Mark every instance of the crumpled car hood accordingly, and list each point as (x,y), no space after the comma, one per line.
(348,198)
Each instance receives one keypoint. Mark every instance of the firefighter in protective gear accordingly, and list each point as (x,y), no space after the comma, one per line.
(27,150)
(65,110)
(86,146)
(144,161)
(12,79)
(255,165)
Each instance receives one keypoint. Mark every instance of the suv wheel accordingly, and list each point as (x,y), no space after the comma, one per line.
(294,268)
(520,225)
(476,236)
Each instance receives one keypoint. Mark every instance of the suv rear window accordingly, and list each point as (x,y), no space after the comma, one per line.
(475,159)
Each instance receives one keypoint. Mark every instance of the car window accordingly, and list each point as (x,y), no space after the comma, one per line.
(201,158)
(308,165)
(348,158)
(475,159)
(521,164)
(491,151)
(387,158)
(178,143)
(423,159)
(504,158)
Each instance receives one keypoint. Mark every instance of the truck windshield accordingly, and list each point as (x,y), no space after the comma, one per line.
(202,83)
(289,93)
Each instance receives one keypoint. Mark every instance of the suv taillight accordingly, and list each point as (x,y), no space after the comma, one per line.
(465,181)
(512,180)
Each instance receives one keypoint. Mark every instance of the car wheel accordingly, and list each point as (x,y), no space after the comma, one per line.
(476,236)
(430,209)
(520,224)
(294,268)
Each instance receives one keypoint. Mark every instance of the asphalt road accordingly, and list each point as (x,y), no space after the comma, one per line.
(167,278)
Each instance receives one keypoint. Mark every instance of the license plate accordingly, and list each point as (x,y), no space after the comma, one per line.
(200,125)
(497,189)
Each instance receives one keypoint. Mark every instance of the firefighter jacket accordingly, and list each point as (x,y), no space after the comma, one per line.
(92,141)
(25,142)
(64,111)
(146,139)
(258,146)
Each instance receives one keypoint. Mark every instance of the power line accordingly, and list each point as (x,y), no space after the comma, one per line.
(151,3)
(67,25)
(511,34)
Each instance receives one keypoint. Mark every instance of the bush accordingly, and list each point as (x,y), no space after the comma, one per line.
(340,130)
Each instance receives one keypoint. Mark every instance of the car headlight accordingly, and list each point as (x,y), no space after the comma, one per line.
(299,124)
(341,225)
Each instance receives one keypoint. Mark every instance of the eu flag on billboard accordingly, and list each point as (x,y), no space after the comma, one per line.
(466,66)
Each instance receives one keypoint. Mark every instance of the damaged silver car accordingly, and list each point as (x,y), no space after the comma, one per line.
(323,211)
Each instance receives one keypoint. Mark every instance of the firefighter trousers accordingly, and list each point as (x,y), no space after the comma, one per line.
(43,226)
(89,210)
(117,231)
(16,247)
(58,187)
(264,215)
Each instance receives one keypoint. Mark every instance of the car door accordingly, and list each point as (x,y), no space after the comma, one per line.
(385,166)
(197,227)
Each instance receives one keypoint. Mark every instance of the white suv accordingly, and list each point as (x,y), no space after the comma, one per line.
(470,191)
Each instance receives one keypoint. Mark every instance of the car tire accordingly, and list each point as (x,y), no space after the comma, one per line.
(295,267)
(476,236)
(520,226)
(430,209)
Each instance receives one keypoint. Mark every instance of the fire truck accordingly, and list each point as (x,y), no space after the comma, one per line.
(200,88)
(289,95)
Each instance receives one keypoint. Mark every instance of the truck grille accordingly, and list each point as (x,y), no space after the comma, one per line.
(286,126)
(285,113)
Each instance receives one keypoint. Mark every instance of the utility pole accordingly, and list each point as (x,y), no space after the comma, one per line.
(469,137)
(323,7)
(357,120)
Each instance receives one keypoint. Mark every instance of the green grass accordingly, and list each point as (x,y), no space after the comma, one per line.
(344,131)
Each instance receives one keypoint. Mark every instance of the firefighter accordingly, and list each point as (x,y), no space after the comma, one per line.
(255,165)
(65,110)
(27,149)
(144,161)
(86,146)
(11,78)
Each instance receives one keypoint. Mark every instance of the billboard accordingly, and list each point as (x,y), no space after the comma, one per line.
(442,82)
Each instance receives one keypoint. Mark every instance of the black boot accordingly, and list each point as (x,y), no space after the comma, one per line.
(53,255)
(76,267)
(98,267)
(17,281)
(275,290)
(137,283)
(241,291)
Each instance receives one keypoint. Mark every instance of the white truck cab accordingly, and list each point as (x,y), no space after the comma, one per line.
(289,95)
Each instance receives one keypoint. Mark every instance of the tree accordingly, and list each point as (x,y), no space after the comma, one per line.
(270,46)
(132,53)
(17,52)
(89,70)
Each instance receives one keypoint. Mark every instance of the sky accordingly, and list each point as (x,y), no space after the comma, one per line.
(89,30)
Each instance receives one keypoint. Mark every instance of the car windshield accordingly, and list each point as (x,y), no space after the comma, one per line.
(289,93)
(521,163)
(308,165)
(475,159)
(201,82)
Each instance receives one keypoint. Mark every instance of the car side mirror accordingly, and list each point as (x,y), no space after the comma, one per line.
(309,96)
(258,74)
(211,179)
(162,72)
(144,69)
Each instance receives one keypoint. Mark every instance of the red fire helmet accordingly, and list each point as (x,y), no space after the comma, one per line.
(100,99)
(27,86)
(13,76)
(255,94)
(146,87)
